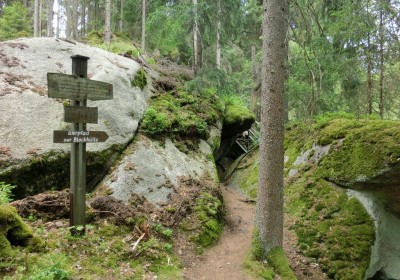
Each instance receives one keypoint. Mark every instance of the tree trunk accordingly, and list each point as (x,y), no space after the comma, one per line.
(269,207)
(68,12)
(196,45)
(218,51)
(40,18)
(75,19)
(107,27)
(381,68)
(36,18)
(369,68)
(121,16)
(58,20)
(83,18)
(50,13)
(143,25)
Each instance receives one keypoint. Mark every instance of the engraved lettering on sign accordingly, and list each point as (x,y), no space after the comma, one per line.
(74,87)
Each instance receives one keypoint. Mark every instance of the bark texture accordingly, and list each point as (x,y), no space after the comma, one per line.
(107,27)
(269,208)
(50,32)
(143,24)
(36,18)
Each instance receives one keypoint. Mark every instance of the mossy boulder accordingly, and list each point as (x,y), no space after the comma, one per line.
(332,227)
(238,118)
(13,231)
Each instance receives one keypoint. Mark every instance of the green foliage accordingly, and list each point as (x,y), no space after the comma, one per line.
(210,212)
(166,233)
(105,251)
(214,79)
(140,79)
(51,272)
(5,193)
(14,22)
(181,114)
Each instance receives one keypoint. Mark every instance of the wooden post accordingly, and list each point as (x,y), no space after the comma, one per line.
(78,160)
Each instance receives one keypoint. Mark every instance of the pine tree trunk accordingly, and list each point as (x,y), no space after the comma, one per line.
(83,18)
(381,68)
(269,207)
(50,13)
(107,27)
(75,19)
(68,12)
(36,18)
(218,51)
(196,49)
(143,25)
(369,68)
(121,16)
(58,20)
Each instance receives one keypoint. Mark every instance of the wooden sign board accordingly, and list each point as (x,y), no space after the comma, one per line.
(79,114)
(76,88)
(73,136)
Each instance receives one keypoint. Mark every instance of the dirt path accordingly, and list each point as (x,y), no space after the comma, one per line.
(225,260)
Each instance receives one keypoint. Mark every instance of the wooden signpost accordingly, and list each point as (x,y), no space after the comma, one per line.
(78,89)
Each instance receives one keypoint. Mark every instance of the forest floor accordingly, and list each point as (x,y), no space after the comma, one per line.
(225,260)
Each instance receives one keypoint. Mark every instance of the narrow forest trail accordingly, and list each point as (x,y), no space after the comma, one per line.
(225,260)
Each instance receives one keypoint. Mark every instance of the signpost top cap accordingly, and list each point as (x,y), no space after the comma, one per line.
(79,57)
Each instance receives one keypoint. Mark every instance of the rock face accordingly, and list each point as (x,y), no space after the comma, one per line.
(362,157)
(156,170)
(29,116)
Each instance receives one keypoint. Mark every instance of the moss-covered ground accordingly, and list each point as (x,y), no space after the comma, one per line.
(105,251)
(331,227)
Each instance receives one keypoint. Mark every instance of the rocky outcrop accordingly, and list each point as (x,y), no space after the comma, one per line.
(156,170)
(29,116)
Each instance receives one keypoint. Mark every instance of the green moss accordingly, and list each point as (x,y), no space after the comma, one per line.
(237,119)
(237,115)
(205,225)
(277,262)
(367,149)
(140,79)
(331,227)
(209,210)
(179,114)
(277,259)
(13,230)
(334,229)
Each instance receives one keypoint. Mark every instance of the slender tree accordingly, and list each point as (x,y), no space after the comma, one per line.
(381,60)
(50,13)
(107,26)
(36,19)
(143,24)
(218,48)
(196,50)
(121,16)
(75,19)
(269,207)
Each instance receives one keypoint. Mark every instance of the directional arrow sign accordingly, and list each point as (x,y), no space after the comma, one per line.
(73,136)
(76,88)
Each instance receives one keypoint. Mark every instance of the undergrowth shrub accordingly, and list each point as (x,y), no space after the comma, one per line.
(5,193)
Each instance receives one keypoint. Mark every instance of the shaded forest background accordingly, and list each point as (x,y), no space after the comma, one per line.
(343,55)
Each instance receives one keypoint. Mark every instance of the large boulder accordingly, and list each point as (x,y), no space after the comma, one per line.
(157,170)
(29,116)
